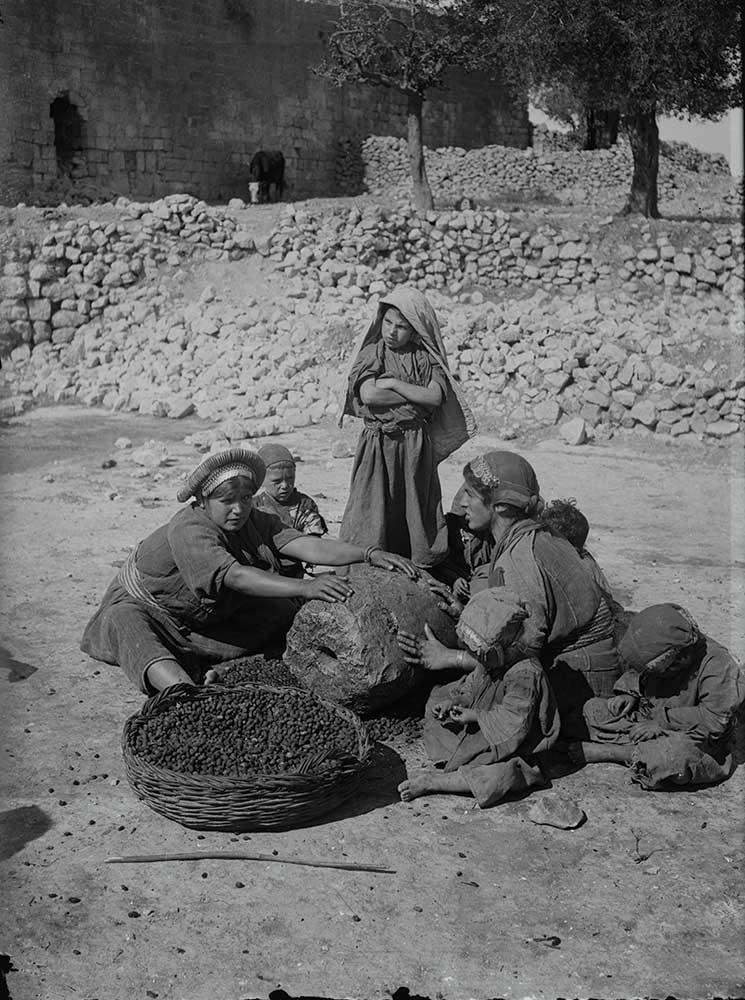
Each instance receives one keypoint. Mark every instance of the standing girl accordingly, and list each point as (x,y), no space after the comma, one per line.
(399,383)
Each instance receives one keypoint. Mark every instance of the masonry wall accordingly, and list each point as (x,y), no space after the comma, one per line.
(177,95)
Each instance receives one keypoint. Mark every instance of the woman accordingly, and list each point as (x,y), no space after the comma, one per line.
(570,625)
(206,588)
(400,384)
(487,732)
(673,712)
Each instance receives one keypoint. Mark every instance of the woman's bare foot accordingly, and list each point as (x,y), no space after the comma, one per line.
(432,782)
(598,753)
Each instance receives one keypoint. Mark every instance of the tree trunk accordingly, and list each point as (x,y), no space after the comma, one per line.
(422,191)
(644,137)
(601,128)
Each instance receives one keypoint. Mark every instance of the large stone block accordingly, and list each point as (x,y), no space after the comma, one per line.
(349,652)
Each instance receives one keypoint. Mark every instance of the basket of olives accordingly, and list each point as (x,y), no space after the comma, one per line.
(246,757)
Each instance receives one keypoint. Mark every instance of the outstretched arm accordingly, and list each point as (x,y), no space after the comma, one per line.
(331,552)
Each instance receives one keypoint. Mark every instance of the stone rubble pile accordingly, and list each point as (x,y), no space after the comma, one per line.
(600,177)
(367,250)
(681,154)
(260,370)
(82,266)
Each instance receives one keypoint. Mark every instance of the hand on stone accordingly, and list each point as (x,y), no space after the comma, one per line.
(393,562)
(462,590)
(447,603)
(327,587)
(425,651)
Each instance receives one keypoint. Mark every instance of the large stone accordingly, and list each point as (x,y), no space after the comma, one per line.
(721,428)
(13,288)
(548,411)
(552,809)
(645,412)
(348,652)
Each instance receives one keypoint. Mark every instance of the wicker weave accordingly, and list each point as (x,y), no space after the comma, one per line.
(256,802)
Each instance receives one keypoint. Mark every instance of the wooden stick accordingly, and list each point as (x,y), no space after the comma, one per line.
(130,859)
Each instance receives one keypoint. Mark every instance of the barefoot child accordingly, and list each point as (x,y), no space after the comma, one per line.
(672,716)
(280,497)
(486,732)
(399,383)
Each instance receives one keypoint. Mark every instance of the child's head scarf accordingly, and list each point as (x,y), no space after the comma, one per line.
(492,618)
(452,423)
(657,636)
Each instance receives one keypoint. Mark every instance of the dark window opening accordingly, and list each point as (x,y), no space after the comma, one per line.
(68,132)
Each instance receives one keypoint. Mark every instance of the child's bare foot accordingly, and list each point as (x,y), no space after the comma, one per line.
(432,782)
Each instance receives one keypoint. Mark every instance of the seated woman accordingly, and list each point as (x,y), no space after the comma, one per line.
(486,732)
(570,624)
(467,551)
(206,587)
(674,710)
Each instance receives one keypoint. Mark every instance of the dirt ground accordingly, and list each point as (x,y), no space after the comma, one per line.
(644,899)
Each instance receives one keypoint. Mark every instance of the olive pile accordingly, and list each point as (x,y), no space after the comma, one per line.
(257,669)
(246,732)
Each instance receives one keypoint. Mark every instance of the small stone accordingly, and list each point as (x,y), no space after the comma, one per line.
(340,449)
(556,810)
(574,431)
(123,443)
(108,463)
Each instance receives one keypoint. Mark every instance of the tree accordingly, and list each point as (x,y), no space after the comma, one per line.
(405,45)
(641,57)
(591,128)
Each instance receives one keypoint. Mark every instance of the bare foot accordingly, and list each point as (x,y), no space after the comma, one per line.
(432,782)
(212,677)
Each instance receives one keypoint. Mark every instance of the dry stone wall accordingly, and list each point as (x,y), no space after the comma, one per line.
(617,342)
(598,177)
(177,95)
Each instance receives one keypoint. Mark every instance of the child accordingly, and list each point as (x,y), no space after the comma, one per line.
(400,385)
(672,716)
(565,519)
(279,497)
(486,733)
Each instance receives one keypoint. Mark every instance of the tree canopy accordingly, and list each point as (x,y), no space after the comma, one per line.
(408,46)
(640,57)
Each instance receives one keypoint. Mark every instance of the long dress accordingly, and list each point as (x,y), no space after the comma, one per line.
(570,628)
(696,711)
(395,500)
(518,721)
(169,600)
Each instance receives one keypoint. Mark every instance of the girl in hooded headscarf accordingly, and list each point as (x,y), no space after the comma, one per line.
(399,383)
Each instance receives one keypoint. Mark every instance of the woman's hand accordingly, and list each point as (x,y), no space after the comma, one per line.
(426,651)
(462,590)
(395,563)
(647,729)
(327,587)
(459,713)
(622,704)
(446,601)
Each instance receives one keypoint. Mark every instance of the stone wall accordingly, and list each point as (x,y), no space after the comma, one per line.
(177,95)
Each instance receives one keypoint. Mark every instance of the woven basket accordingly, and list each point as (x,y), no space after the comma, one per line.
(254,802)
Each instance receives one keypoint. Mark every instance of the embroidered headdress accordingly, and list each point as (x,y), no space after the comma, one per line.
(220,467)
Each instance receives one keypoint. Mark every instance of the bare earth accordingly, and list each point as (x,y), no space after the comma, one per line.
(645,899)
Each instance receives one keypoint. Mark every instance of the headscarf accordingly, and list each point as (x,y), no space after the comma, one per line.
(492,618)
(657,636)
(452,422)
(276,454)
(508,478)
(218,468)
